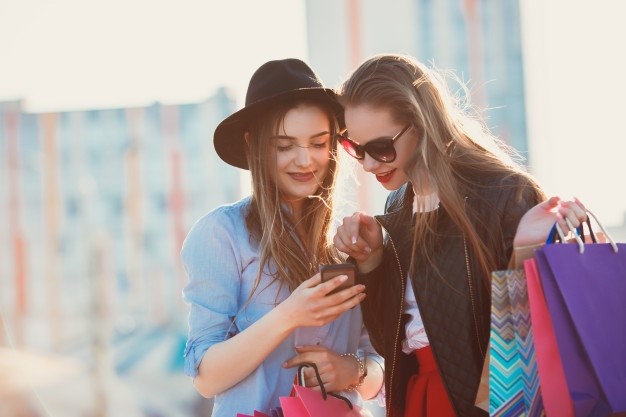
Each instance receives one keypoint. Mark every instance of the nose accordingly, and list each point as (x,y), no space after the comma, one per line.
(369,163)
(303,157)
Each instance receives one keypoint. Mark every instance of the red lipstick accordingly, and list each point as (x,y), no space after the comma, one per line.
(385,178)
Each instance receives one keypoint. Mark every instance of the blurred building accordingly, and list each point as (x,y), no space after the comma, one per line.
(94,206)
(479,40)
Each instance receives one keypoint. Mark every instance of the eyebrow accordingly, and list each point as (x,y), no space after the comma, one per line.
(317,135)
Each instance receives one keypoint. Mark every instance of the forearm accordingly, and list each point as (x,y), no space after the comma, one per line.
(227,363)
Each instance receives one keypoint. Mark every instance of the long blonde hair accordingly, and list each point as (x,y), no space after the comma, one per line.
(452,141)
(296,258)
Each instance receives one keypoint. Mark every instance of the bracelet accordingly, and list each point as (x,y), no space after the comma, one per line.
(362,370)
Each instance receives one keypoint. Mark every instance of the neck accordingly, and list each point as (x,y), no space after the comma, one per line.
(295,209)
(423,190)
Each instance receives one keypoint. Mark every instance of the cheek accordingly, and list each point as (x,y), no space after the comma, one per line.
(281,160)
(406,153)
(273,164)
(322,158)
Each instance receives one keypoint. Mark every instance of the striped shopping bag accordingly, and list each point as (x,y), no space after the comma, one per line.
(513,379)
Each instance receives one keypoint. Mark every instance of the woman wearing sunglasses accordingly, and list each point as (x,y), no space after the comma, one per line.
(257,307)
(457,199)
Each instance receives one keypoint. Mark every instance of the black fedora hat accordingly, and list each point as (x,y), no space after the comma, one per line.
(274,82)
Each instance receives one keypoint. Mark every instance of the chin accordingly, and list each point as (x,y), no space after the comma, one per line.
(303,194)
(391,187)
(394,185)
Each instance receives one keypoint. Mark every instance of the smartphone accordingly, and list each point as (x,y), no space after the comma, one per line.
(328,272)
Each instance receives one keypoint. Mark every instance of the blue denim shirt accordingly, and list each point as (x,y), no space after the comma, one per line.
(222,263)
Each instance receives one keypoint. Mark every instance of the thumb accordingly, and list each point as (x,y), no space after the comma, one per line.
(366,219)
(311,282)
(371,228)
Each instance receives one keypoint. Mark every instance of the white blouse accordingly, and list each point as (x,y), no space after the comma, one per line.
(415,333)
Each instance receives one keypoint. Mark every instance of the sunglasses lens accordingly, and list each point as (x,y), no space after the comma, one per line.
(349,147)
(382,151)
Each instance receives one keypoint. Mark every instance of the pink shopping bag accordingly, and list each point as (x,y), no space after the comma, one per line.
(307,402)
(554,390)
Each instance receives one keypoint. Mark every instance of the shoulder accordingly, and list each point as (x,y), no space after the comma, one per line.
(510,197)
(505,186)
(225,216)
(502,197)
(518,188)
(226,221)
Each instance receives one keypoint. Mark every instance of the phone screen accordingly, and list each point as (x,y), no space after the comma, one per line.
(328,272)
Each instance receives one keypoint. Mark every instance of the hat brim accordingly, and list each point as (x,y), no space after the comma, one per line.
(228,138)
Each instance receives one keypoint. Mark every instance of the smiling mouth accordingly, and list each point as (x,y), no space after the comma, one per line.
(302,176)
(385,176)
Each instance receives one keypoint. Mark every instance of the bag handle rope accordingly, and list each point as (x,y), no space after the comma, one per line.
(325,394)
(579,233)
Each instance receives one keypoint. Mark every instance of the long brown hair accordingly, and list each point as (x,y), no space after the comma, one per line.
(295,258)
(452,142)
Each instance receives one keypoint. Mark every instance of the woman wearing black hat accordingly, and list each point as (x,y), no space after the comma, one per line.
(255,296)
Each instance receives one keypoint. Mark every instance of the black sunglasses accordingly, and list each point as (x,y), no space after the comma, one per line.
(381,149)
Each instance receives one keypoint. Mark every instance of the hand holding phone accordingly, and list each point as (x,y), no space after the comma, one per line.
(328,272)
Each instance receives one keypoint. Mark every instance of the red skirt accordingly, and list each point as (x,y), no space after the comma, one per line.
(425,394)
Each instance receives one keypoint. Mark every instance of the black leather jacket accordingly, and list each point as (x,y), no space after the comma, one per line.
(455,306)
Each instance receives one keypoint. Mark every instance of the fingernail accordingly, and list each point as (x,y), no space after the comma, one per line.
(368,249)
(353,240)
(343,278)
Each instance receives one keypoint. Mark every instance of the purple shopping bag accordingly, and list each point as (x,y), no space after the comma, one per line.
(587,398)
(586,295)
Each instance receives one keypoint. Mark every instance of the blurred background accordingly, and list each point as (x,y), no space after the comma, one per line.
(107,110)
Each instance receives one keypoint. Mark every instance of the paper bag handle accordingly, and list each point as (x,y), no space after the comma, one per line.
(325,394)
(579,233)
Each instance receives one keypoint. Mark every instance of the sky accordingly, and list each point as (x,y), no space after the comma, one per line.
(575,62)
(73,54)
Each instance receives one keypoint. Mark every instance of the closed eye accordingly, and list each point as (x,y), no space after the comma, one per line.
(285,146)
(320,145)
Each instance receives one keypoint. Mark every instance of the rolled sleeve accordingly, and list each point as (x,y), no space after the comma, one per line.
(213,268)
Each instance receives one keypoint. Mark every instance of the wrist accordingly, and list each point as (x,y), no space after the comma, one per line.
(361,371)
(282,318)
(372,262)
